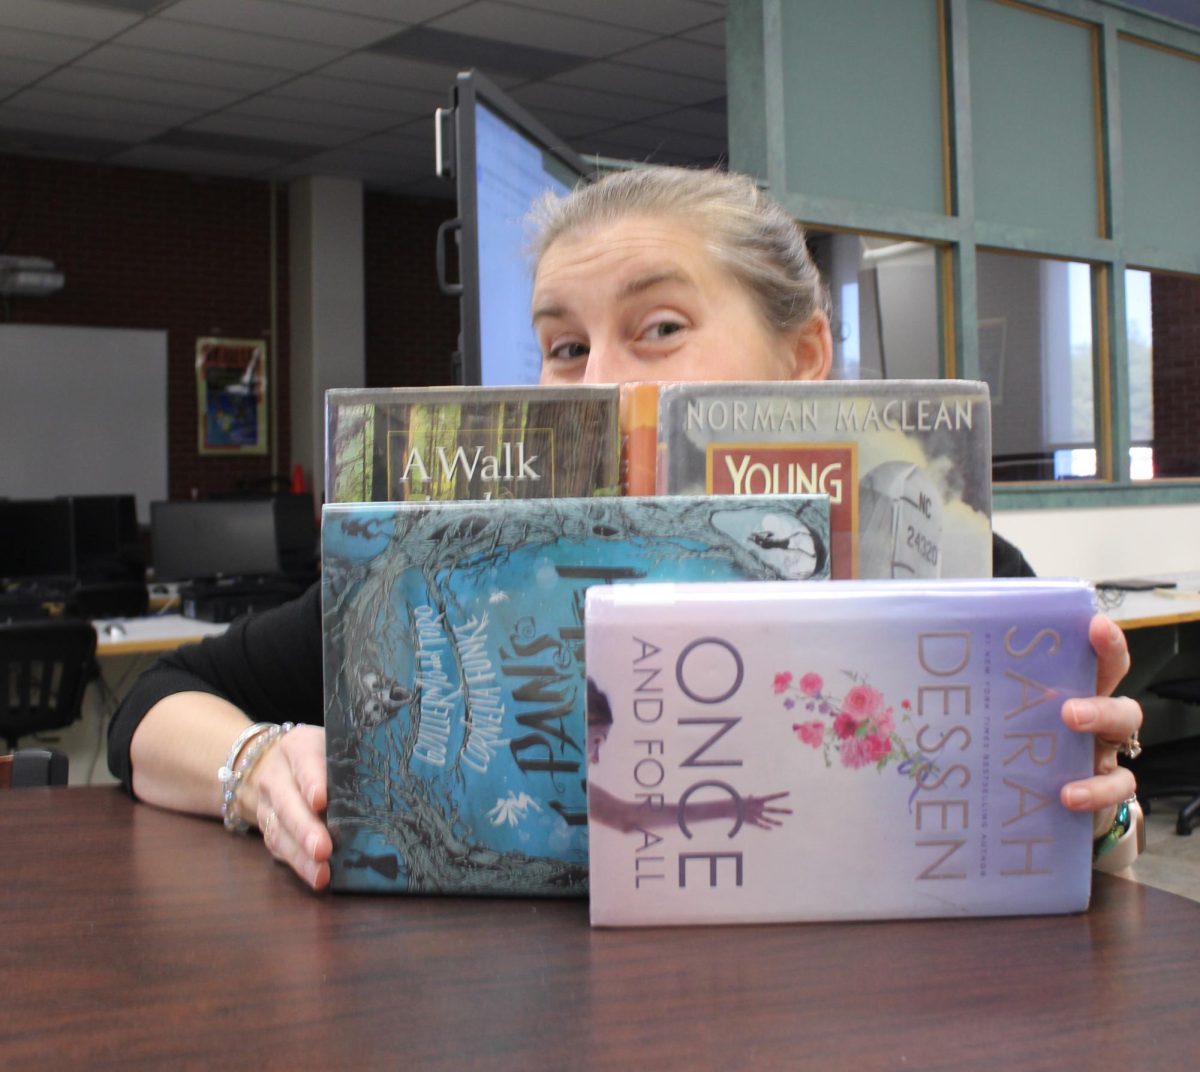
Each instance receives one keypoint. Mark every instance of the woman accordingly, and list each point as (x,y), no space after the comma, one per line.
(657,273)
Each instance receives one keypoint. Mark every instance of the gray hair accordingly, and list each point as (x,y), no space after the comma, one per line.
(745,230)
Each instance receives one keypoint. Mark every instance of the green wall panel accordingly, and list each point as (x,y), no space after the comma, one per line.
(1160,133)
(1033,120)
(861,95)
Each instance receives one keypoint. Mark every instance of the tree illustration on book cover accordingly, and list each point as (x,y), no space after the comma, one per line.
(454,669)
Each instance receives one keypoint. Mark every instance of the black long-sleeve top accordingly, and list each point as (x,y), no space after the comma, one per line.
(269,665)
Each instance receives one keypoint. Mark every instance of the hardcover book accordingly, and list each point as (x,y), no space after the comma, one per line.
(906,463)
(848,750)
(401,443)
(454,670)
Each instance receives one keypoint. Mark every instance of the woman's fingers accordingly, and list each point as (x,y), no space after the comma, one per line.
(1112,653)
(291,782)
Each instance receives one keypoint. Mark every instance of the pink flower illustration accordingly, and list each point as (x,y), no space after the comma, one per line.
(855,752)
(878,746)
(844,726)
(857,730)
(862,701)
(811,733)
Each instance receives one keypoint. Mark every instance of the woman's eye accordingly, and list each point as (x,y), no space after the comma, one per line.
(661,330)
(568,351)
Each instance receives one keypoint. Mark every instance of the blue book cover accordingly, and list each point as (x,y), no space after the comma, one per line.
(847,750)
(454,669)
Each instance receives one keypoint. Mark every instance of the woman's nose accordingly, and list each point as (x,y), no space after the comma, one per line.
(605,364)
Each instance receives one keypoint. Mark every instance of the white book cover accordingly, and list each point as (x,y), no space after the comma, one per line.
(846,750)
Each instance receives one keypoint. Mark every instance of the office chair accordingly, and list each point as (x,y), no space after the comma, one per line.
(1172,768)
(45,667)
(33,767)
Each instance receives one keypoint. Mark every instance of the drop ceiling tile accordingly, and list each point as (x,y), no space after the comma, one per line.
(320,113)
(275,19)
(43,143)
(76,126)
(170,66)
(390,10)
(89,82)
(381,69)
(44,47)
(463,51)
(659,16)
(171,158)
(16,72)
(87,106)
(679,57)
(539,29)
(400,138)
(251,126)
(656,139)
(693,121)
(672,89)
(51,16)
(712,33)
(341,91)
(564,98)
(190,39)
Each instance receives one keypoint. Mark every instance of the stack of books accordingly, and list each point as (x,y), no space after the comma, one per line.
(466,534)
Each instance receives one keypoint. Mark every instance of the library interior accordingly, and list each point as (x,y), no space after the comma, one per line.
(266,272)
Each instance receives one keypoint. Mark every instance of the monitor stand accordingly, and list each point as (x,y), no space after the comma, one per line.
(225,600)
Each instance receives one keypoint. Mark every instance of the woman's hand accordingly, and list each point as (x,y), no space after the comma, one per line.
(1112,720)
(290,785)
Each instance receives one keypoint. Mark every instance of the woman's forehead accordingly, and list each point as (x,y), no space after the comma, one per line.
(612,254)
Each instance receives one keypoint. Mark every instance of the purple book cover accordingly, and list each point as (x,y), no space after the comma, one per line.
(848,750)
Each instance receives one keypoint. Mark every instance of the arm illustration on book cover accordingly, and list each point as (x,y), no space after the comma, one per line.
(628,816)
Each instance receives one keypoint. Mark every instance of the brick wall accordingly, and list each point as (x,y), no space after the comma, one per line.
(411,327)
(1175,311)
(192,256)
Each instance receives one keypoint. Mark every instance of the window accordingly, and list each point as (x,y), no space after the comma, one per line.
(1037,354)
(884,294)
(1162,334)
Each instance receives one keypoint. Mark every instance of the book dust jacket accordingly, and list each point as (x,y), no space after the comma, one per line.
(839,751)
(454,669)
(420,443)
(906,463)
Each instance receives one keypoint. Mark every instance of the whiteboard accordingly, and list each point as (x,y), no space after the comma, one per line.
(83,411)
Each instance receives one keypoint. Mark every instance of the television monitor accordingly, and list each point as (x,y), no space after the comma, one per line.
(107,543)
(503,159)
(36,540)
(213,539)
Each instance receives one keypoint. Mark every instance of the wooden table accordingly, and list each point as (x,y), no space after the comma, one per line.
(137,938)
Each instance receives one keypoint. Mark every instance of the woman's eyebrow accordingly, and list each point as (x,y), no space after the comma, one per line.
(640,283)
(630,288)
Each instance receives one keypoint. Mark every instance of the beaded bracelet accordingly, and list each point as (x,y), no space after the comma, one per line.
(260,736)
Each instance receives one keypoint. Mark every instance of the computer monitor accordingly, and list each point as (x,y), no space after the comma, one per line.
(108,546)
(36,540)
(503,160)
(213,539)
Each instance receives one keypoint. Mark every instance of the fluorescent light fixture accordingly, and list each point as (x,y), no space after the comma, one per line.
(29,276)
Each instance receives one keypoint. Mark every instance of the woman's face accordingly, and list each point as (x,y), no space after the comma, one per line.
(642,299)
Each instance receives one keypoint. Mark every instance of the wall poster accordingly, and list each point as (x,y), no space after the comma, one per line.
(231,394)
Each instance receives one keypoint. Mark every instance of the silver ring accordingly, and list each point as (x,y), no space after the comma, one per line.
(1131,747)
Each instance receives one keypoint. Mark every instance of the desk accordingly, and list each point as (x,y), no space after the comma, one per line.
(1158,625)
(120,660)
(151,635)
(134,936)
